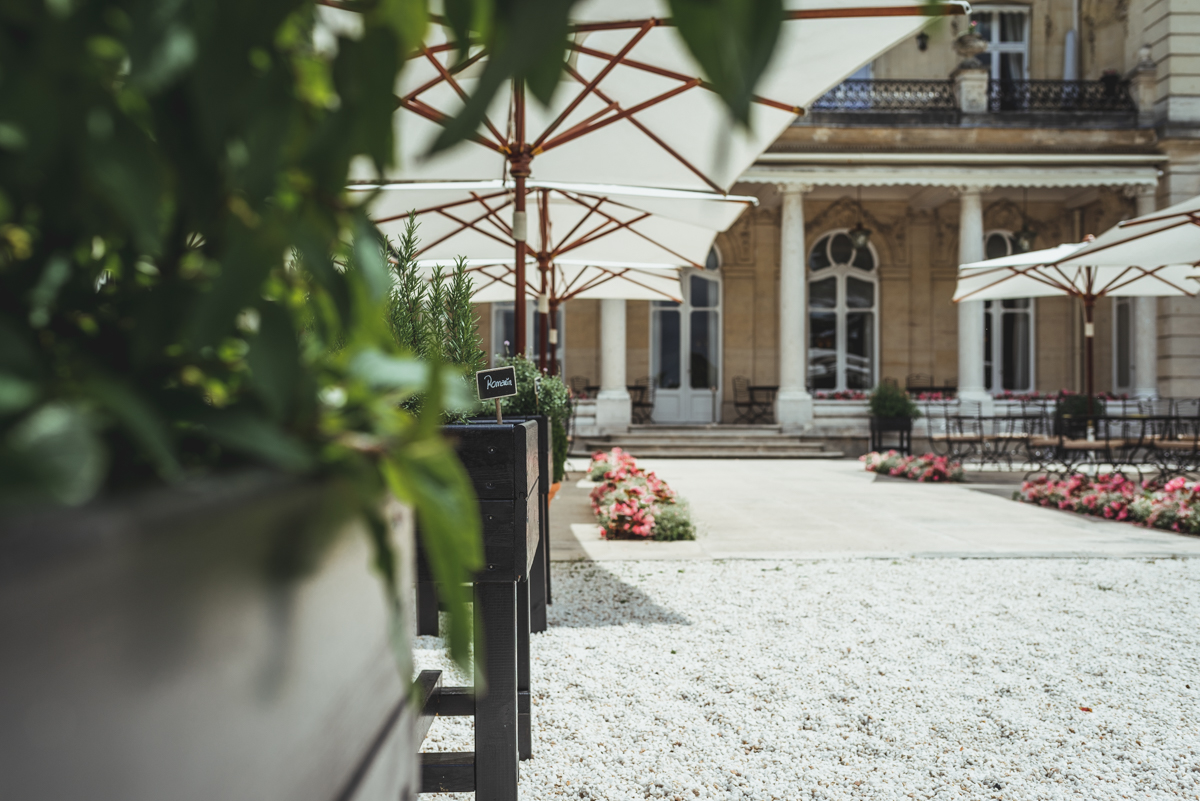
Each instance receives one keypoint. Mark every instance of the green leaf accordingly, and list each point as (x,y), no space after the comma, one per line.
(16,393)
(274,360)
(380,371)
(62,452)
(527,43)
(369,258)
(250,434)
(733,41)
(142,422)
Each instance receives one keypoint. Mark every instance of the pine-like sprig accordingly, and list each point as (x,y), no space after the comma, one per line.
(408,291)
(462,337)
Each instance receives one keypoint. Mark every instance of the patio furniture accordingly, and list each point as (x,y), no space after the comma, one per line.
(641,398)
(753,404)
(580,387)
(900,426)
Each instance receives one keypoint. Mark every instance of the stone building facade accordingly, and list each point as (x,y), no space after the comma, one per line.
(1077,115)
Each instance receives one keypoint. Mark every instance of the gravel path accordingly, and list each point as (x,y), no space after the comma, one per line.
(915,678)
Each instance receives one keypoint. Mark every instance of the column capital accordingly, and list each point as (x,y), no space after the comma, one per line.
(969,189)
(793,188)
(1139,190)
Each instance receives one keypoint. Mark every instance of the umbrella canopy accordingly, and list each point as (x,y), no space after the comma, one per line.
(1167,237)
(634,107)
(496,280)
(1087,272)
(1065,270)
(574,223)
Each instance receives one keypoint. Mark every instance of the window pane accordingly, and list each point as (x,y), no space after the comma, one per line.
(664,304)
(704,349)
(1016,303)
(818,259)
(1012,67)
(822,350)
(864,259)
(996,246)
(860,350)
(1016,351)
(703,292)
(1012,27)
(984,21)
(840,249)
(823,294)
(859,294)
(666,349)
(713,262)
(1124,377)
(503,329)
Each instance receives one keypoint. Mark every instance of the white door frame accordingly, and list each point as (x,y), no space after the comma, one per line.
(685,404)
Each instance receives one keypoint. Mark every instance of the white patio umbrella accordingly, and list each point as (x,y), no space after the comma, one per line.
(495,280)
(580,222)
(585,225)
(1167,237)
(1077,270)
(634,107)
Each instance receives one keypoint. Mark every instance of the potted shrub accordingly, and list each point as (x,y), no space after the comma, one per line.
(1071,415)
(892,410)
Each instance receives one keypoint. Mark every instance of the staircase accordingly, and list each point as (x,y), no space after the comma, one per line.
(708,442)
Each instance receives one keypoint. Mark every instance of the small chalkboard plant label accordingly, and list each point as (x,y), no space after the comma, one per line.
(497,383)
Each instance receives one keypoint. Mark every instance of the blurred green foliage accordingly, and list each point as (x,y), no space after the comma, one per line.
(539,393)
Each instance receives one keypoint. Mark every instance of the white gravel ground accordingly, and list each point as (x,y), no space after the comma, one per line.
(933,678)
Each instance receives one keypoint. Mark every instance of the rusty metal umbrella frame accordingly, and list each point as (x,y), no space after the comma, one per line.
(481,213)
(1086,286)
(558,293)
(520,151)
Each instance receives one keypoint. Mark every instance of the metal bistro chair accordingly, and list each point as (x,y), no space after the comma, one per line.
(579,386)
(641,396)
(752,404)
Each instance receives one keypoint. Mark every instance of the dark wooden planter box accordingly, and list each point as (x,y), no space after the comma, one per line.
(226,640)
(901,426)
(503,462)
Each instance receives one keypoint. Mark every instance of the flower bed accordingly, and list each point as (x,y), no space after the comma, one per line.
(1174,506)
(634,504)
(929,467)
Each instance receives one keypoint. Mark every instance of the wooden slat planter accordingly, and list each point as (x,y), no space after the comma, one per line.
(503,461)
(226,640)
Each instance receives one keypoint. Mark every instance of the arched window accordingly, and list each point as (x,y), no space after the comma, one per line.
(843,309)
(1007,330)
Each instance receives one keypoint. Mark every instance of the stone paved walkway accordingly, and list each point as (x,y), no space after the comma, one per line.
(788,509)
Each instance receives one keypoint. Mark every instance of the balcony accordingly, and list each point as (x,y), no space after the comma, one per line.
(1106,103)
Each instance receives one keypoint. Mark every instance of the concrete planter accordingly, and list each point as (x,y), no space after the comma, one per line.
(223,640)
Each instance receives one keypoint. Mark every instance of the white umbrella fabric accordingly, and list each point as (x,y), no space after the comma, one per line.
(495,281)
(634,107)
(1079,270)
(576,222)
(1169,237)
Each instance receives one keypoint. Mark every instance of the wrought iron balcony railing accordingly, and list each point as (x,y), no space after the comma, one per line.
(1108,95)
(1076,96)
(869,95)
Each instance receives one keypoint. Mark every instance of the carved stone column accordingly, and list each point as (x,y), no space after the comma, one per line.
(613,409)
(971,386)
(793,405)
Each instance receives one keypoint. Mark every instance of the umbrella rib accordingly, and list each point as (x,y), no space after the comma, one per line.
(580,130)
(591,85)
(653,137)
(464,225)
(930,10)
(678,76)
(590,210)
(1015,273)
(433,115)
(1144,273)
(415,93)
(448,78)
(492,212)
(432,209)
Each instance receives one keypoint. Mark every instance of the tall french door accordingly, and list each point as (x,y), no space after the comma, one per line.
(685,352)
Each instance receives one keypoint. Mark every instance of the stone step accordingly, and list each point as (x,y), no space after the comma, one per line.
(707,453)
(714,448)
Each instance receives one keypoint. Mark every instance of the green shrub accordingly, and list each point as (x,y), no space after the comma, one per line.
(538,393)
(888,400)
(674,522)
(1077,406)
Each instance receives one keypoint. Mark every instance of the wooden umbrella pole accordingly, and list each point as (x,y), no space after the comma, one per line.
(1089,351)
(518,160)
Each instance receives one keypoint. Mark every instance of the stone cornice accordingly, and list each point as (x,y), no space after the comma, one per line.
(960,177)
